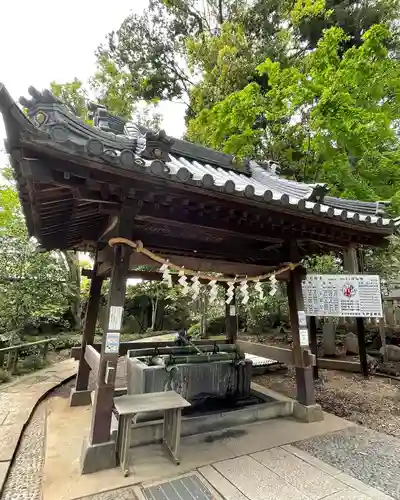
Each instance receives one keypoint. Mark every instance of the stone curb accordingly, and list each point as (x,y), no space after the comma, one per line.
(41,398)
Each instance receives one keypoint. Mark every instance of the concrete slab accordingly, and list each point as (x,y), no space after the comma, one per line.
(66,428)
(263,435)
(310,459)
(221,484)
(256,481)
(306,478)
(9,437)
(348,495)
(363,488)
(3,473)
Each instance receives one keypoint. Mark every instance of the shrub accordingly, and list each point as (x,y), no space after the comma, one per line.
(31,363)
(216,326)
(194,330)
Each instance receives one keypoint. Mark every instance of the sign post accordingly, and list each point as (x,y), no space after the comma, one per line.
(344,295)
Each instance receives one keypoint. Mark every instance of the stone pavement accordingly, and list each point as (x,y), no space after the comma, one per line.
(279,459)
(18,399)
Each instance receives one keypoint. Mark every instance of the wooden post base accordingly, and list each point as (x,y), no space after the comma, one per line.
(80,398)
(96,457)
(305,386)
(308,414)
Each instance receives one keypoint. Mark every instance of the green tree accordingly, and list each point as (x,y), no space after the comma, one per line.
(74,95)
(330,118)
(175,47)
(108,88)
(34,285)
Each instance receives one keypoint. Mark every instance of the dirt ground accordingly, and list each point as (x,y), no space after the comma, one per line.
(374,403)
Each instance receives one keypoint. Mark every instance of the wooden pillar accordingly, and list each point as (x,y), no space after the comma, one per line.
(104,392)
(304,372)
(312,323)
(80,395)
(231,321)
(353,264)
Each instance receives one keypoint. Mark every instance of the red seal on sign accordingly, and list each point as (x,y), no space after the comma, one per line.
(349,291)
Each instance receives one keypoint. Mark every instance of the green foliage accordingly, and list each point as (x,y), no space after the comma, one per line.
(194,330)
(177,48)
(225,62)
(324,264)
(74,95)
(385,262)
(261,315)
(30,363)
(331,118)
(111,88)
(33,284)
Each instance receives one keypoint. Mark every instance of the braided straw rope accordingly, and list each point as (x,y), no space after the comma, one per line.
(138,247)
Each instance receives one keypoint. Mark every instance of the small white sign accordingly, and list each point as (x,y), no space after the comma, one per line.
(112,343)
(115,321)
(232,310)
(303,333)
(302,319)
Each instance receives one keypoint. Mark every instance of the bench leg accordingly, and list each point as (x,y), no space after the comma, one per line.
(124,433)
(172,433)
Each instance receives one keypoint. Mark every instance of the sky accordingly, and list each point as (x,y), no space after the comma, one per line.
(42,41)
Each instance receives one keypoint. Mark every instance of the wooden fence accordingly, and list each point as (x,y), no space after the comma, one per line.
(13,351)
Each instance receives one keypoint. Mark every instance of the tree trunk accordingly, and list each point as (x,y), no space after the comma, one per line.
(203,319)
(72,259)
(154,304)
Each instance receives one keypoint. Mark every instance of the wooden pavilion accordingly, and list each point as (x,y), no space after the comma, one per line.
(81,185)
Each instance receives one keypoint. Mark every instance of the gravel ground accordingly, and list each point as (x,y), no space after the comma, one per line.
(371,457)
(374,403)
(25,478)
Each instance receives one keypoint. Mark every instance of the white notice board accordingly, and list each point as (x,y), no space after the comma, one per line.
(349,295)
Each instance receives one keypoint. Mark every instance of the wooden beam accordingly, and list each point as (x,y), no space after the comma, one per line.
(105,382)
(271,352)
(82,379)
(196,264)
(92,358)
(124,347)
(351,263)
(338,364)
(312,324)
(304,374)
(227,228)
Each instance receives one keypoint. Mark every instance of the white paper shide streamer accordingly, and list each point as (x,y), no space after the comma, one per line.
(258,288)
(183,282)
(244,291)
(274,285)
(166,275)
(230,292)
(213,291)
(195,287)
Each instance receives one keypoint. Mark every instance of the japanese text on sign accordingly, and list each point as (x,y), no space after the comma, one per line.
(348,295)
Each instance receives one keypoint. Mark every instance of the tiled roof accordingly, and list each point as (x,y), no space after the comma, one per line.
(274,189)
(115,142)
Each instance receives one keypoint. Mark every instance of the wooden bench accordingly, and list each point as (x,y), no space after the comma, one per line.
(127,407)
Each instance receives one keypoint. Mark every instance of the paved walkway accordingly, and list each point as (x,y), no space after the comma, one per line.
(17,401)
(279,459)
